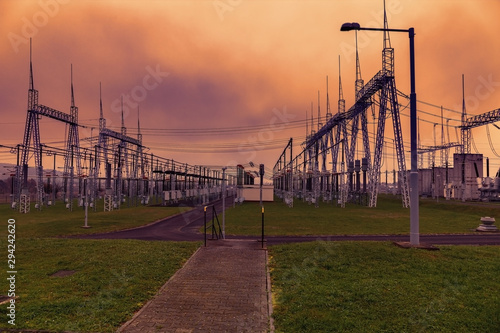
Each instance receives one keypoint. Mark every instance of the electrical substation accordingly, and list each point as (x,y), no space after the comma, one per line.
(344,157)
(341,160)
(110,166)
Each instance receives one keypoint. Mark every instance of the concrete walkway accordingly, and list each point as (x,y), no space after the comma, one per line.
(222,288)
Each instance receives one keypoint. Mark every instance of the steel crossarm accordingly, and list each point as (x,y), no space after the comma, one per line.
(482,119)
(364,101)
(476,121)
(54,114)
(429,149)
(119,136)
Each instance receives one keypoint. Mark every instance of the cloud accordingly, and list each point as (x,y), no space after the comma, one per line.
(234,72)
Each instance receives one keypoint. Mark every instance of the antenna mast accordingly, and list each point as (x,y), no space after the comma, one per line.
(319,114)
(102,121)
(31,71)
(72,93)
(312,120)
(328,110)
(139,135)
(124,129)
(341,102)
(465,131)
(359,80)
(307,125)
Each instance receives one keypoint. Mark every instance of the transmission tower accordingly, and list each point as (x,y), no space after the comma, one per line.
(72,149)
(384,83)
(341,130)
(466,131)
(139,170)
(119,144)
(31,140)
(388,91)
(31,136)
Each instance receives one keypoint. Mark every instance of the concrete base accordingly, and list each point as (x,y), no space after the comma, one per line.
(487,228)
(423,246)
(487,224)
(85,226)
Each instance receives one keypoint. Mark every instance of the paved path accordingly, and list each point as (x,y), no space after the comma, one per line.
(222,288)
(180,227)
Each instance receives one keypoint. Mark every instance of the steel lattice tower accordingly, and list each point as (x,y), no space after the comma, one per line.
(388,92)
(31,134)
(72,149)
(31,139)
(466,131)
(118,144)
(384,84)
(341,129)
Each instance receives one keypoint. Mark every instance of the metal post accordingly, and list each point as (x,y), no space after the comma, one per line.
(95,189)
(414,202)
(72,173)
(213,222)
(205,225)
(262,226)
(261,172)
(17,192)
(54,182)
(86,203)
(40,191)
(224,203)
(487,167)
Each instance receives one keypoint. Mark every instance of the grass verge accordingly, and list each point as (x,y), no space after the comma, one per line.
(389,217)
(58,221)
(377,287)
(113,279)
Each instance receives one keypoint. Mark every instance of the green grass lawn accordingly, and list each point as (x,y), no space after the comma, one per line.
(58,221)
(377,287)
(113,279)
(389,217)
(318,287)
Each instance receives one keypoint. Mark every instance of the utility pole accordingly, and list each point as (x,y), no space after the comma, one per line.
(261,173)
(224,203)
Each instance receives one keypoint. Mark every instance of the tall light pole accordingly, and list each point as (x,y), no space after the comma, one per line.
(414,214)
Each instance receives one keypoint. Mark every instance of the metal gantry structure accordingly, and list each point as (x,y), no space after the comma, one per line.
(476,121)
(114,166)
(32,145)
(317,181)
(341,130)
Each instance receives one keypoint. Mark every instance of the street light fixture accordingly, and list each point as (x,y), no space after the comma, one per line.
(414,214)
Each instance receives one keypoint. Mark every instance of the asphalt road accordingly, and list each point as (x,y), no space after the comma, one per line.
(185,227)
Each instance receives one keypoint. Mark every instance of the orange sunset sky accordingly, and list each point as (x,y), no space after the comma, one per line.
(196,66)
